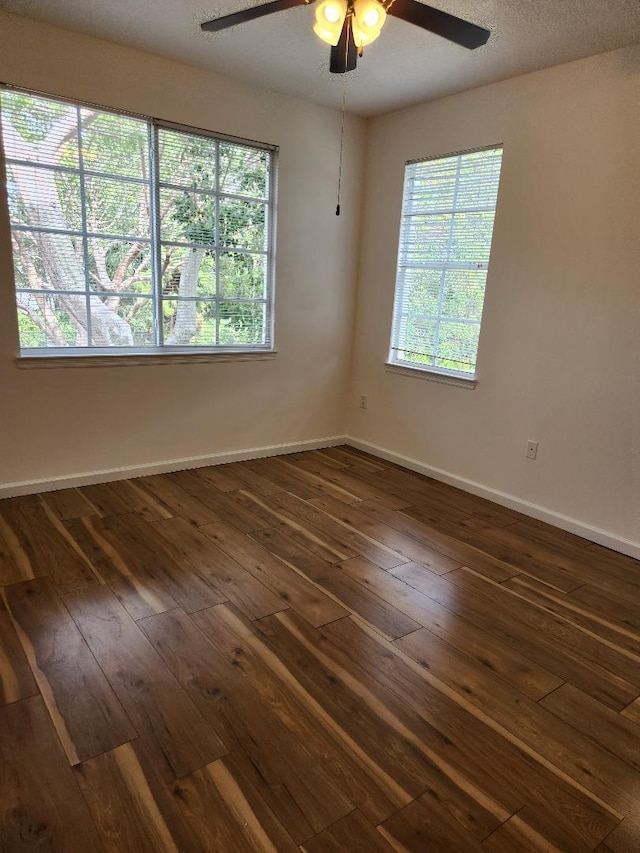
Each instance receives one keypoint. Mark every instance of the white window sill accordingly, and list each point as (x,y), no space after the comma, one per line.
(31,362)
(433,375)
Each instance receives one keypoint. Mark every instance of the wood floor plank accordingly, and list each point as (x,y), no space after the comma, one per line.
(625,838)
(403,767)
(413,521)
(620,664)
(356,543)
(140,500)
(68,503)
(226,579)
(606,604)
(222,505)
(351,595)
(156,561)
(613,731)
(353,833)
(179,737)
(39,547)
(486,772)
(86,714)
(226,812)
(300,483)
(495,615)
(253,482)
(41,807)
(351,483)
(15,565)
(219,476)
(632,711)
(16,678)
(290,586)
(139,590)
(105,499)
(609,779)
(321,543)
(516,834)
(424,825)
(131,806)
(298,791)
(167,489)
(329,747)
(613,632)
(354,461)
(404,544)
(498,657)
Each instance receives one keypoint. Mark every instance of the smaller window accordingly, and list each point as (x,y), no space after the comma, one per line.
(448,211)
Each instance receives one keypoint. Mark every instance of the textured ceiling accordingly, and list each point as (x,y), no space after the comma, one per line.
(405,66)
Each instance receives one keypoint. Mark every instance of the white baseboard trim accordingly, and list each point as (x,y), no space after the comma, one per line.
(88,478)
(564,522)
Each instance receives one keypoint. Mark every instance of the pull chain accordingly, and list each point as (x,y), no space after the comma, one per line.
(344,104)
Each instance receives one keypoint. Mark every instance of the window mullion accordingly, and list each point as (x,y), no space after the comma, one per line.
(154,216)
(216,237)
(83,214)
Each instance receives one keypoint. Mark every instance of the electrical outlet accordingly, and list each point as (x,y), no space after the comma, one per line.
(532,449)
(363,401)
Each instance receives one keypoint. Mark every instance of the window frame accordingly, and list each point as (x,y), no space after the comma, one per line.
(158,353)
(394,364)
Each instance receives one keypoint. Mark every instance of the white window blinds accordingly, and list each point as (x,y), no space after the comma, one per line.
(131,233)
(448,211)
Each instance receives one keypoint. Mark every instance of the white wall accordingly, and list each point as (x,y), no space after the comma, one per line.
(559,355)
(69,421)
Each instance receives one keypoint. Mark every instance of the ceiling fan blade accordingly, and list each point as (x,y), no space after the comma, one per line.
(441,23)
(344,55)
(250,14)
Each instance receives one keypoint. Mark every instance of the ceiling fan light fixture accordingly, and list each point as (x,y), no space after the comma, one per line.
(368,19)
(330,15)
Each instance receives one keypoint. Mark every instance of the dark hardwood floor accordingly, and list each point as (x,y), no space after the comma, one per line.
(319,652)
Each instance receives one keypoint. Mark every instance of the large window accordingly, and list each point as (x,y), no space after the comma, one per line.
(130,235)
(445,239)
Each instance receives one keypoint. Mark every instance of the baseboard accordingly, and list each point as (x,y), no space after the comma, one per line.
(564,522)
(88,478)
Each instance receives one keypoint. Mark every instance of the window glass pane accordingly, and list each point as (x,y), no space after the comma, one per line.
(189,322)
(187,217)
(115,144)
(243,224)
(420,291)
(187,160)
(419,339)
(244,171)
(188,272)
(243,276)
(117,207)
(51,319)
(44,198)
(463,294)
(242,323)
(39,130)
(457,345)
(122,321)
(48,261)
(120,266)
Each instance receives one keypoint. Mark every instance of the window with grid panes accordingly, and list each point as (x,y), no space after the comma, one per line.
(448,211)
(131,235)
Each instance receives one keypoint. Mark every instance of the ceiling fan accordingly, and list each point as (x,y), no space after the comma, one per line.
(349,25)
